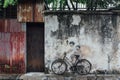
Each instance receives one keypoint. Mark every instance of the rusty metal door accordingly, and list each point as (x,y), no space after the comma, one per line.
(35,47)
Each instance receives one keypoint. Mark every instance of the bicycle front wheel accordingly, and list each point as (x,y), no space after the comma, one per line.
(58,67)
(83,66)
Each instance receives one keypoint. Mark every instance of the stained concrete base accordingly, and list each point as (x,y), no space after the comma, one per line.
(42,76)
(9,76)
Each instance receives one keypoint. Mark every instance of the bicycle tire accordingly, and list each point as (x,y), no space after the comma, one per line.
(61,63)
(81,68)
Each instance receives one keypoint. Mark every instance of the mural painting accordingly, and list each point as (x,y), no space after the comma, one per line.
(98,37)
(12,46)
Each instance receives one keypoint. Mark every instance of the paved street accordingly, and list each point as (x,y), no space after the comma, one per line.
(42,76)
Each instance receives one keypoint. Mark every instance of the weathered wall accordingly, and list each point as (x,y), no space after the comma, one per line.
(97,34)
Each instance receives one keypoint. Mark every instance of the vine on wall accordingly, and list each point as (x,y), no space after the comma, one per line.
(6,3)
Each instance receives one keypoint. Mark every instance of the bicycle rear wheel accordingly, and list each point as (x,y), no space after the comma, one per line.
(58,67)
(83,67)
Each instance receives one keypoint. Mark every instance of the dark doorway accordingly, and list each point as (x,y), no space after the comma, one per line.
(35,47)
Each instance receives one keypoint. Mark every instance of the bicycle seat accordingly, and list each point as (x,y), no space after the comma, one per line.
(77,56)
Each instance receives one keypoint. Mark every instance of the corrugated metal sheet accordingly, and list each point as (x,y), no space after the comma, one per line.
(12,47)
(25,13)
(38,16)
(30,12)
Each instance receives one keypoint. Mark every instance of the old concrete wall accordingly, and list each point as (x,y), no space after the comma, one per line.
(98,35)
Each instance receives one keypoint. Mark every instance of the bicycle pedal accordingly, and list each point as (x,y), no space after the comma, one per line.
(73,72)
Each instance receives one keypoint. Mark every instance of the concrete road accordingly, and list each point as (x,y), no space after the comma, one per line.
(42,76)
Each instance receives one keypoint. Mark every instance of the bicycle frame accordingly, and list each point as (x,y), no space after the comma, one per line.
(69,65)
(68,62)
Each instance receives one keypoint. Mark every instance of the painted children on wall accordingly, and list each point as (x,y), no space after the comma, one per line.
(72,51)
(77,52)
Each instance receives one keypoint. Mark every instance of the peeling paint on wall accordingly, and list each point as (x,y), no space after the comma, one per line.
(98,36)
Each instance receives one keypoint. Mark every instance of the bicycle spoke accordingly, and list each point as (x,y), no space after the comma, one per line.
(58,67)
(83,67)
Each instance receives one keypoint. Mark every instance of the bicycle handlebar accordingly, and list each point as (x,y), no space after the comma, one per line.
(64,55)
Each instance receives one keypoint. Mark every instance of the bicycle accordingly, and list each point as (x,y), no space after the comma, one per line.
(81,66)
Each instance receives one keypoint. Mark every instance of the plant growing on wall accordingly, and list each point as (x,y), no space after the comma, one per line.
(6,3)
(0,3)
(96,4)
(9,2)
(73,4)
(54,4)
(70,4)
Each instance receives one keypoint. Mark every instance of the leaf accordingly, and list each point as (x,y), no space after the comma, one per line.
(82,1)
(49,1)
(9,2)
(6,3)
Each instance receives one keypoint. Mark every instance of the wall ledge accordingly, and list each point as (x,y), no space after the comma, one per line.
(98,12)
